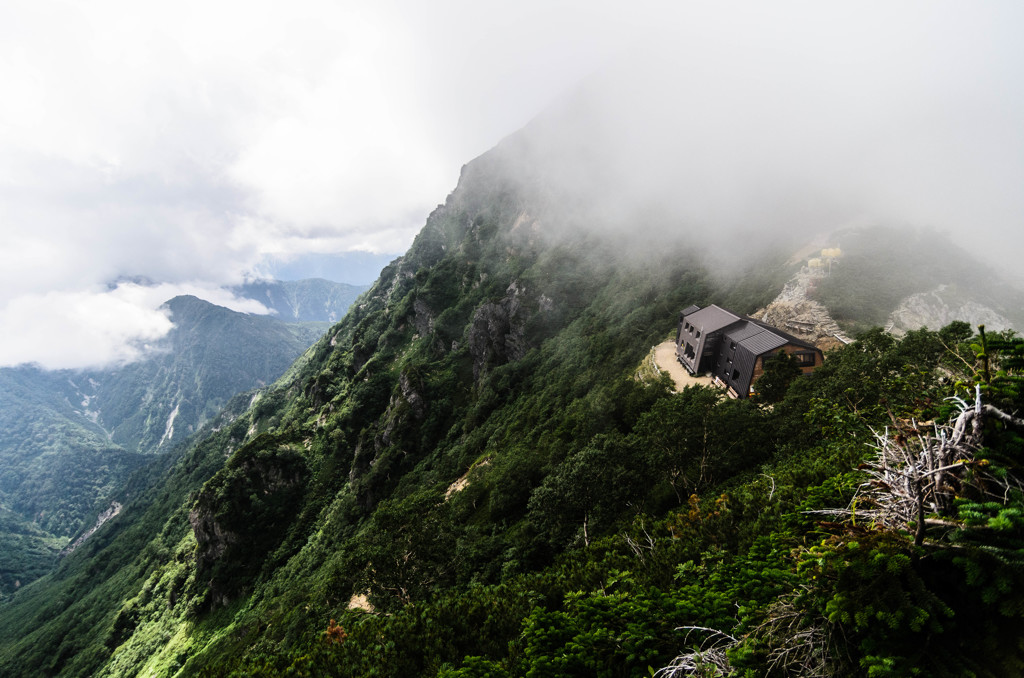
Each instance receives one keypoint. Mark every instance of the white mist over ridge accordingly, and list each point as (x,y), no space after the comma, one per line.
(198,144)
(734,143)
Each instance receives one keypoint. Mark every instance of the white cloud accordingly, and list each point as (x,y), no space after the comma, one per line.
(78,329)
(197,140)
(97,327)
(140,138)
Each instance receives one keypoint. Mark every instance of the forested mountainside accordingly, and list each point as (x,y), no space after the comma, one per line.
(307,300)
(69,438)
(466,477)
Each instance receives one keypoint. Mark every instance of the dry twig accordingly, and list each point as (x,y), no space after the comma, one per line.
(708,659)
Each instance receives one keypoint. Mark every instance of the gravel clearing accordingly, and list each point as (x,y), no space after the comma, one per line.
(665,359)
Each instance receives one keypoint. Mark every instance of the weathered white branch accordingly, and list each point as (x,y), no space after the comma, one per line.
(916,477)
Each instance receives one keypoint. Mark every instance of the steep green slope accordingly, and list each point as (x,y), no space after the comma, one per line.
(487,314)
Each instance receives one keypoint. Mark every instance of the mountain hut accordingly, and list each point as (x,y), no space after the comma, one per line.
(733,348)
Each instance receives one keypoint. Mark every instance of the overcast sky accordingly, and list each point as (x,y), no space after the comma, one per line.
(193,144)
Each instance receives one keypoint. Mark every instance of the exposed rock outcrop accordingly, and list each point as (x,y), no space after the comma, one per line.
(211,536)
(793,311)
(404,405)
(241,515)
(423,317)
(938,308)
(498,331)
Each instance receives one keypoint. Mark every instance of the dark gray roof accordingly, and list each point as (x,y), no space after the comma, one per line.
(743,331)
(790,339)
(758,337)
(712,318)
(762,342)
(689,310)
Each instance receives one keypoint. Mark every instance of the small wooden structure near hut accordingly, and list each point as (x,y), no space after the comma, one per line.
(733,348)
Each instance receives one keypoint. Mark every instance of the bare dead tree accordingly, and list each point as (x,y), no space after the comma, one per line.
(638,546)
(917,474)
(800,645)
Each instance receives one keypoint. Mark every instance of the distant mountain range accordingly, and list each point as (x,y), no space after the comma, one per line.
(68,438)
(211,354)
(309,300)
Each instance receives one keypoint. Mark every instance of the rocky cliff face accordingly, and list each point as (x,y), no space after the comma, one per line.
(241,514)
(497,334)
